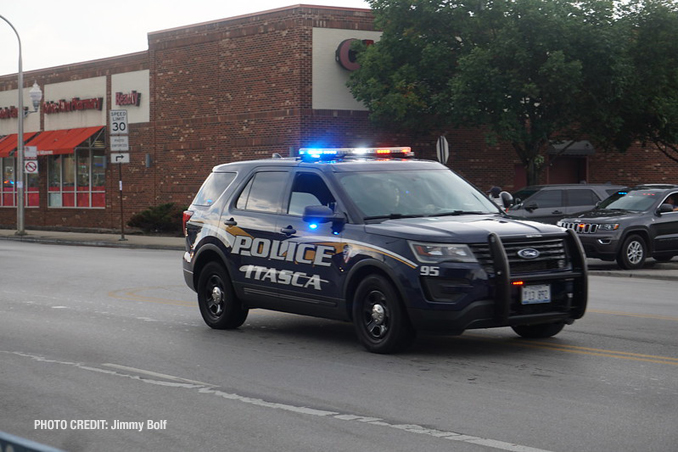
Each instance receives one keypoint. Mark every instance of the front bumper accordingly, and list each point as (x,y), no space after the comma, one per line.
(604,247)
(480,299)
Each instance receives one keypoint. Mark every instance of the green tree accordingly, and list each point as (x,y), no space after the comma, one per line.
(528,72)
(648,110)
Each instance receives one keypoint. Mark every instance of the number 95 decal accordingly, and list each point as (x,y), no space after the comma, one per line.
(426,270)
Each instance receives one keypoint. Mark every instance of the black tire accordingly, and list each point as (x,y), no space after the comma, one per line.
(219,306)
(379,317)
(541,331)
(633,253)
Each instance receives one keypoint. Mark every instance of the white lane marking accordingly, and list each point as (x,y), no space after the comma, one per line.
(206,388)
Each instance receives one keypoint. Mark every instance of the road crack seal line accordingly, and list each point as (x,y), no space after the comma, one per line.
(160,379)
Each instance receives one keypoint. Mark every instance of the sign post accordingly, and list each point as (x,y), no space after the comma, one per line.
(120,144)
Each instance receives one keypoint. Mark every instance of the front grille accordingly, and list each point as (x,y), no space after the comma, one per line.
(580,228)
(552,255)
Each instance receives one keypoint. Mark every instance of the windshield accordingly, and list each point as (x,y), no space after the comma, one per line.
(637,201)
(396,194)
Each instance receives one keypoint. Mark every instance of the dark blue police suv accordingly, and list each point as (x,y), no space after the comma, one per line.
(373,236)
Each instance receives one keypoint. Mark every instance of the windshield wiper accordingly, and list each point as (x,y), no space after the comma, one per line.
(392,216)
(458,212)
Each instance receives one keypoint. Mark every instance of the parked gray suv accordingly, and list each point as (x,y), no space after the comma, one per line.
(550,203)
(631,226)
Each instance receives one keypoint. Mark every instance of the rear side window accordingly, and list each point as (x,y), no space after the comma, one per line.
(582,197)
(547,198)
(263,193)
(212,188)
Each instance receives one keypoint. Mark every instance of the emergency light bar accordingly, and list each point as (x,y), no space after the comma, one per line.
(331,153)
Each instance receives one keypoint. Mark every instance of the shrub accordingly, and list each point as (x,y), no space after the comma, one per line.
(165,219)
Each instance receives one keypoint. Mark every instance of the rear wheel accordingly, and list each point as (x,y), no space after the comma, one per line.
(538,331)
(218,304)
(632,253)
(379,317)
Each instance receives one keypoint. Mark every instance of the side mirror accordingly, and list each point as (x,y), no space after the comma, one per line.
(665,208)
(506,199)
(531,207)
(320,214)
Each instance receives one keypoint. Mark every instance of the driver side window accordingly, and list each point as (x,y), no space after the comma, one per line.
(309,190)
(673,200)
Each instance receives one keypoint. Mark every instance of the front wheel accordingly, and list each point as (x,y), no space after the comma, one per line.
(632,253)
(219,307)
(379,317)
(538,331)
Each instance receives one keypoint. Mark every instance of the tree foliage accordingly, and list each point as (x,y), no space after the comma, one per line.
(529,72)
(648,112)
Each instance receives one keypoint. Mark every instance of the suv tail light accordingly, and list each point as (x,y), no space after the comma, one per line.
(184,219)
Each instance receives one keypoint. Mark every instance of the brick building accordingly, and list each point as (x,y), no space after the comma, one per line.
(231,89)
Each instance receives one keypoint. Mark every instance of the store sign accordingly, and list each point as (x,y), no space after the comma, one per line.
(133,98)
(346,57)
(75,104)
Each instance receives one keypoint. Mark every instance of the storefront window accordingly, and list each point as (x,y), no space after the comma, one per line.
(8,190)
(83,172)
(98,179)
(32,190)
(77,180)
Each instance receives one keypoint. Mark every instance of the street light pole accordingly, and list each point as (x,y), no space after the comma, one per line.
(19,170)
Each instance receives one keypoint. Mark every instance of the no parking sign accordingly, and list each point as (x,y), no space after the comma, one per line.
(31,167)
(31,162)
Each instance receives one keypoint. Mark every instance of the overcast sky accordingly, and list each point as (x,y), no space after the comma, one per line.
(54,33)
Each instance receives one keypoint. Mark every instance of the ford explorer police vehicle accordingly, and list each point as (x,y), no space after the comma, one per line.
(393,244)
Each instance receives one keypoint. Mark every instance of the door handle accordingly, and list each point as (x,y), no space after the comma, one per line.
(289,230)
(230,222)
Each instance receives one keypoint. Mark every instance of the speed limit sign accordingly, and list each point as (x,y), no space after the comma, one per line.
(118,122)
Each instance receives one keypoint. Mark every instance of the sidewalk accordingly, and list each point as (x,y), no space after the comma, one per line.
(652,269)
(96,239)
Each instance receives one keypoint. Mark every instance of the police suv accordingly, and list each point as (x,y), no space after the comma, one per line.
(373,236)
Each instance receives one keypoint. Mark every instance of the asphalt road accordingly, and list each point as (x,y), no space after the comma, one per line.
(100,341)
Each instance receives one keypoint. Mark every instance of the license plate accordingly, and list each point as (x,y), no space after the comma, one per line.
(536,294)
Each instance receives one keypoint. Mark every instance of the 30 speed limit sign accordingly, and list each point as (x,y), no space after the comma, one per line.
(118,122)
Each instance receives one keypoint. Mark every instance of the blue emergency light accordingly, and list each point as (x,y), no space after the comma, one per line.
(337,153)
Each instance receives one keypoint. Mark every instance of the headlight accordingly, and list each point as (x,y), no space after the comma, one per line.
(608,226)
(432,253)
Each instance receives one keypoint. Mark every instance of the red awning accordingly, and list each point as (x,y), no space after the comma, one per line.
(9,143)
(53,142)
